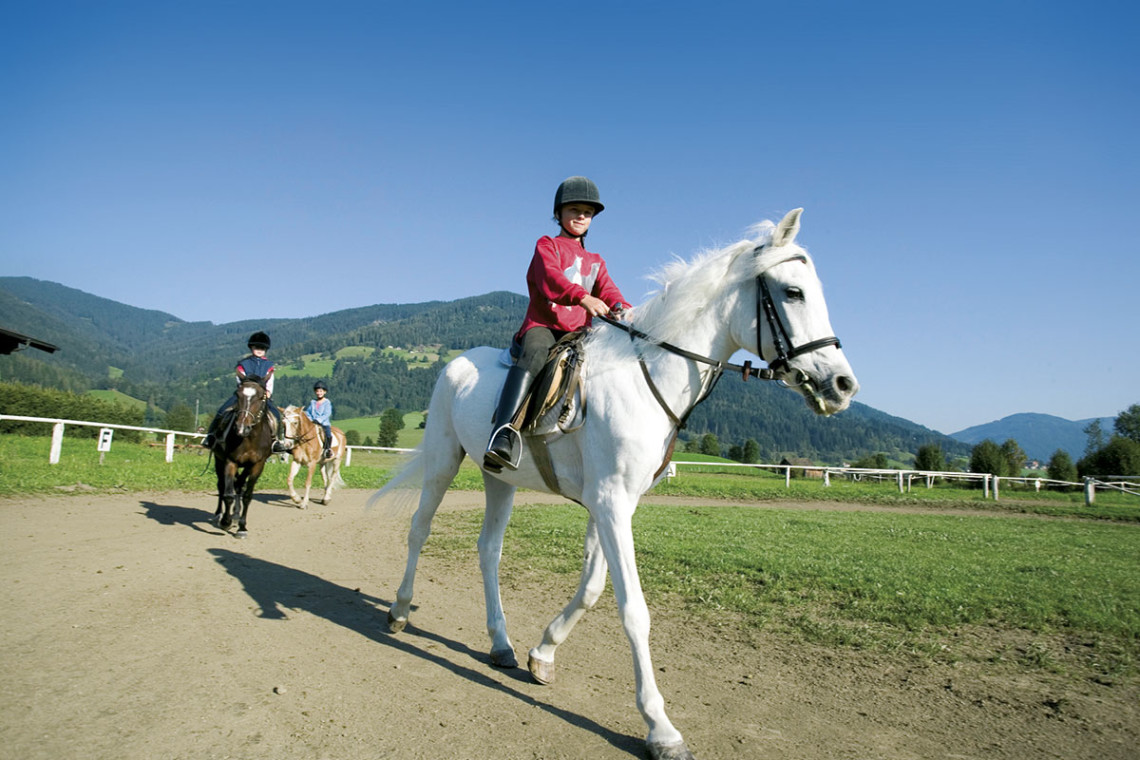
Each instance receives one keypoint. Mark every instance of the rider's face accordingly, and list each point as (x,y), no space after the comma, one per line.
(576,217)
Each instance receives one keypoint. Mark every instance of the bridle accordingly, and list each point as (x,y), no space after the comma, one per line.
(244,413)
(778,368)
(785,351)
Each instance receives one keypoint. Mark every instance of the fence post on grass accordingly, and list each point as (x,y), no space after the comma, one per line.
(347,456)
(788,476)
(996,479)
(56,442)
(826,478)
(901,489)
(1090,491)
(169,447)
(986,486)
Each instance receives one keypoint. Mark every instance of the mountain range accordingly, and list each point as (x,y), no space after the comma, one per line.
(166,361)
(1039,435)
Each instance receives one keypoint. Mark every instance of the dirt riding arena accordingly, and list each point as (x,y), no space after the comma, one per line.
(133,628)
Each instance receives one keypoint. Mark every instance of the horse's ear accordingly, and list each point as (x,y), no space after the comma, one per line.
(786,230)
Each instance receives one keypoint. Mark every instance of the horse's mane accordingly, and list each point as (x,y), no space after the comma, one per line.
(688,287)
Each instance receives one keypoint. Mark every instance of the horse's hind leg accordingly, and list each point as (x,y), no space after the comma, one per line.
(593,582)
(441,463)
(500,500)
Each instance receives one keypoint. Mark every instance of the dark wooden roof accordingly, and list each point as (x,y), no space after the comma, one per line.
(14,341)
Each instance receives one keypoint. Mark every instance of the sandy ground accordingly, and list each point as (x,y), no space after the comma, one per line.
(133,628)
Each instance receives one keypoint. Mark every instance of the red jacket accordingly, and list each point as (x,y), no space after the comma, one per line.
(560,274)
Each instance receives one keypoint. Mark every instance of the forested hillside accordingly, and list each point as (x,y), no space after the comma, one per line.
(167,362)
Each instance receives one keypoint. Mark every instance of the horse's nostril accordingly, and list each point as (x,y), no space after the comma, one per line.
(845,384)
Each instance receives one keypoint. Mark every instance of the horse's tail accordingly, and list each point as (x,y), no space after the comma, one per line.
(399,494)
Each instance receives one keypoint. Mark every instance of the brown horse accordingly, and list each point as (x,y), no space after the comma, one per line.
(245,443)
(308,450)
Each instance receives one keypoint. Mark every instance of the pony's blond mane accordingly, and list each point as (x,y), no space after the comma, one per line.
(689,287)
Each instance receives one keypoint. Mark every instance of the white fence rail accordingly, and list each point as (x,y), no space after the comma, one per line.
(58,425)
(904,478)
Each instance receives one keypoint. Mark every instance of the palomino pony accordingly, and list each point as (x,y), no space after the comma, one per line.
(761,295)
(240,453)
(308,451)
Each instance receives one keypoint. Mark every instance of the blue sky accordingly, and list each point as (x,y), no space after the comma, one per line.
(969,171)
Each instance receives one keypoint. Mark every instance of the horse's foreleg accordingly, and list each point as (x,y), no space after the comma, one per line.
(593,582)
(308,483)
(294,467)
(441,464)
(615,532)
(500,499)
(227,494)
(247,484)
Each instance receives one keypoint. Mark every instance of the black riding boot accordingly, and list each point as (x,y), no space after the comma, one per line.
(211,434)
(280,445)
(505,447)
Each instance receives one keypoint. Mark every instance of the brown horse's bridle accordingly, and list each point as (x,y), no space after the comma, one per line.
(242,414)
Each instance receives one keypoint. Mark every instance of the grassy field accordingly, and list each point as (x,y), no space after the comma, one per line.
(118,397)
(946,576)
(408,438)
(1057,594)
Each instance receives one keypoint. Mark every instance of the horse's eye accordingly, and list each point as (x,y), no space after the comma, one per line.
(794,294)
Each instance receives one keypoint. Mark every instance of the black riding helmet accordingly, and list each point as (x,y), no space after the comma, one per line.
(320,384)
(578,190)
(259,340)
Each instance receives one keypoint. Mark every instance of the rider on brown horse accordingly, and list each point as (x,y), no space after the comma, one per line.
(255,365)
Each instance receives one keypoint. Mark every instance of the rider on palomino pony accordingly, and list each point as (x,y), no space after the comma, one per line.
(319,411)
(568,285)
(254,365)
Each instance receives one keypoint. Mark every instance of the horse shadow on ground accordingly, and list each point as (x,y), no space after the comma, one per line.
(190,517)
(276,588)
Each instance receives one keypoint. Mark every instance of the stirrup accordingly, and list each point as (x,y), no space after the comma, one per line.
(280,447)
(494,460)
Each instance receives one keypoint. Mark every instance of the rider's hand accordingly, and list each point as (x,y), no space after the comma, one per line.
(595,307)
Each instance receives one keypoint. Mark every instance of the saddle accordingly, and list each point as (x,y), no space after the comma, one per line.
(556,402)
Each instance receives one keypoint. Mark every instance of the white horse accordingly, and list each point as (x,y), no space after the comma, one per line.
(761,295)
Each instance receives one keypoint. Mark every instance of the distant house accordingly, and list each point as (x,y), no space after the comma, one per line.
(14,341)
(810,468)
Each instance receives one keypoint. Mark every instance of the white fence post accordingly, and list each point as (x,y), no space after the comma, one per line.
(170,447)
(347,456)
(826,478)
(1090,491)
(788,477)
(996,479)
(56,442)
(901,489)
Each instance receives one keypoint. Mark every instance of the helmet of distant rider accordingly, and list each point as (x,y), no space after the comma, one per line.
(320,385)
(578,190)
(259,340)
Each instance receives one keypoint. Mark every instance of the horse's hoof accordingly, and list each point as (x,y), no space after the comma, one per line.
(504,658)
(242,534)
(676,751)
(394,624)
(541,671)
